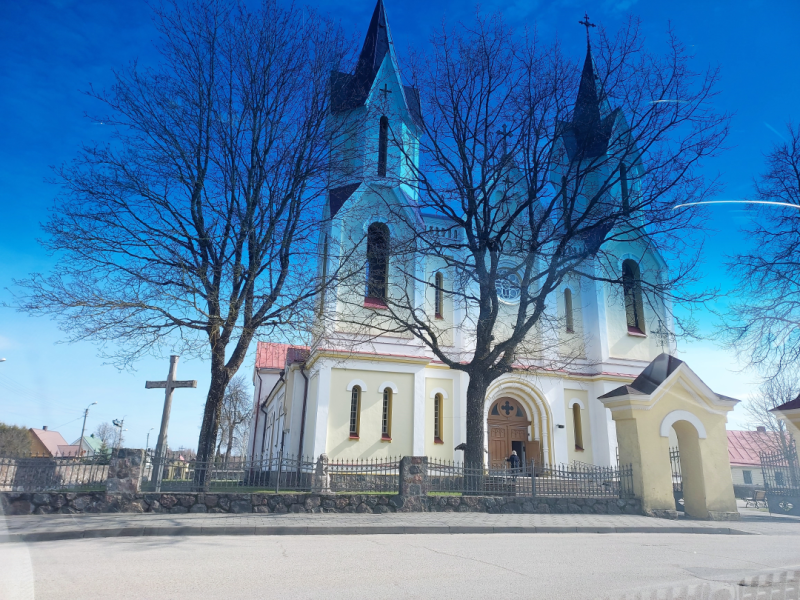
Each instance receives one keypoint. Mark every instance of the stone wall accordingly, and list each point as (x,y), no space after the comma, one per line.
(17,503)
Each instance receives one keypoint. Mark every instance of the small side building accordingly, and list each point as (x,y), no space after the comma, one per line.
(744,450)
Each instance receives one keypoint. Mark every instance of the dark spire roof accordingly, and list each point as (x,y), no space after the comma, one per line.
(376,45)
(648,380)
(589,132)
(351,91)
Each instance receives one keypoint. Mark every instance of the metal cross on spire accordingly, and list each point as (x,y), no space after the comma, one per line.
(586,23)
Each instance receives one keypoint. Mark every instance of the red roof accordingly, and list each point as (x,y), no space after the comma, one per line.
(744,446)
(270,355)
(50,440)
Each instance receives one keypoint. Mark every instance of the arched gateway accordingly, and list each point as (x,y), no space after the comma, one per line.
(509,429)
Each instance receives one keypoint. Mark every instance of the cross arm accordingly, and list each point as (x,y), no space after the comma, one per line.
(155,384)
(185,384)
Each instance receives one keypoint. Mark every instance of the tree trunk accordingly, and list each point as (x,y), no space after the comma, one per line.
(476,398)
(230,441)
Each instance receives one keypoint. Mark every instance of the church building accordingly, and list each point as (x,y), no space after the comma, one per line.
(390,397)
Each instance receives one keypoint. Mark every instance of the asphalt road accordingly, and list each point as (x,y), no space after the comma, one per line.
(401,566)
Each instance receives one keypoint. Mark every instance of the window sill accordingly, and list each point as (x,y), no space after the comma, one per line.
(439,317)
(438,441)
(636,332)
(375,303)
(353,437)
(386,438)
(578,449)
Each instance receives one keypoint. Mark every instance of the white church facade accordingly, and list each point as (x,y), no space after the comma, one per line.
(391,397)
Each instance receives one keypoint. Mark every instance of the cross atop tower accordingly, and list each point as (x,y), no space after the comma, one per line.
(586,23)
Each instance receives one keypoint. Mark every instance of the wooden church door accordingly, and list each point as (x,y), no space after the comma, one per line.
(507,423)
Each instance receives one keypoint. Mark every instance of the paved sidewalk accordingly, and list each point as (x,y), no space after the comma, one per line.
(60,527)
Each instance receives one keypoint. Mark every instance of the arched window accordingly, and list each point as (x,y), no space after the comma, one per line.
(568,310)
(383,146)
(564,202)
(439,295)
(632,287)
(438,410)
(386,418)
(355,411)
(577,426)
(377,261)
(623,185)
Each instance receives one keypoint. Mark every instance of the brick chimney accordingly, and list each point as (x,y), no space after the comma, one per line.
(761,429)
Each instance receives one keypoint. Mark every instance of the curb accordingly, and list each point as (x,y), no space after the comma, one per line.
(190,530)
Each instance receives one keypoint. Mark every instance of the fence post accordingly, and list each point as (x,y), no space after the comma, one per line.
(280,468)
(125,471)
(414,476)
(533,478)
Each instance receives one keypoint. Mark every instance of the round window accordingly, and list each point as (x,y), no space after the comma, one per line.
(508,285)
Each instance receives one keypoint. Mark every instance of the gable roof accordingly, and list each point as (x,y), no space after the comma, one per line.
(648,380)
(791,405)
(744,447)
(338,196)
(50,440)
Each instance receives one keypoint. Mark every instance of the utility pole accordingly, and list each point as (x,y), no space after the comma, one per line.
(83,429)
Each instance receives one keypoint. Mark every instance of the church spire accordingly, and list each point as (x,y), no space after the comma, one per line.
(377,44)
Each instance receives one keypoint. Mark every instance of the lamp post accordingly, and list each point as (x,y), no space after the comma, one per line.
(147,444)
(119,424)
(83,429)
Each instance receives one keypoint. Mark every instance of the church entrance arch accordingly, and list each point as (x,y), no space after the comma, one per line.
(508,428)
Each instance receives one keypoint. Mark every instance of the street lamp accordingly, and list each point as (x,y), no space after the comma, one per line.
(147,445)
(83,429)
(119,424)
(2,360)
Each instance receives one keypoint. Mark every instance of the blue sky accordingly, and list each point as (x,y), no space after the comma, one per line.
(51,51)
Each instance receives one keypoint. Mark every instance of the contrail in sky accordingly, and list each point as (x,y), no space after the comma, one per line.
(737,202)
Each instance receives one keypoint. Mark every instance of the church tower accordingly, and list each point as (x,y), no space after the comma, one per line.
(374,126)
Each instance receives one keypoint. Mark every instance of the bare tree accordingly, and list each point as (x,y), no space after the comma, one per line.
(763,321)
(234,417)
(525,188)
(193,228)
(107,434)
(774,392)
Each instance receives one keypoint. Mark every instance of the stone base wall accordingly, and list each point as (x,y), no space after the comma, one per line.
(16,503)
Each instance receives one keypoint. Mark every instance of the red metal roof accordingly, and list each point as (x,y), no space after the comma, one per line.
(50,440)
(745,446)
(271,355)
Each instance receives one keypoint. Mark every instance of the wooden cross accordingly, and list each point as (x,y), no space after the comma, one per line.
(385,90)
(169,385)
(587,24)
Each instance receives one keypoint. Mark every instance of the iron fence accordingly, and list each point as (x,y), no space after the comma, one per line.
(583,481)
(450,477)
(60,473)
(675,463)
(576,480)
(781,470)
(276,474)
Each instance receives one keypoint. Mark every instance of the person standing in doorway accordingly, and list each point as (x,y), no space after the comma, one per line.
(514,460)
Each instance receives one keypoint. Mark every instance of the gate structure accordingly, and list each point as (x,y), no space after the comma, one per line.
(781,473)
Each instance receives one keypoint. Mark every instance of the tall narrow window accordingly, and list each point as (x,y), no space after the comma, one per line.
(355,411)
(632,287)
(577,426)
(383,146)
(377,261)
(439,296)
(438,407)
(623,185)
(386,419)
(564,203)
(568,310)
(324,273)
